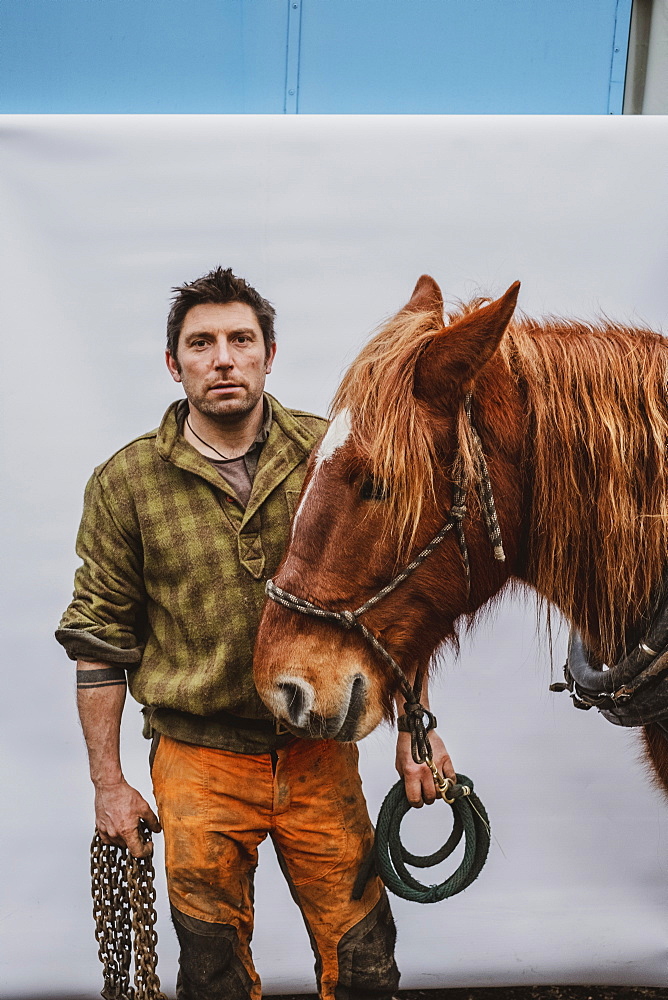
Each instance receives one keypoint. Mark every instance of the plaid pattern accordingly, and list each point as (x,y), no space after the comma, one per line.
(173,575)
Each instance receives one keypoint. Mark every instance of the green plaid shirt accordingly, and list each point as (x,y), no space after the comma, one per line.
(173,575)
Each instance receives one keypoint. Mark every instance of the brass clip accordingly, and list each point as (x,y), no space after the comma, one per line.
(443,784)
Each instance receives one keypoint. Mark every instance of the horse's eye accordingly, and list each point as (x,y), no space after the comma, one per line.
(373,489)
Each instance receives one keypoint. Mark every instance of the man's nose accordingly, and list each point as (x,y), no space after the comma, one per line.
(223,356)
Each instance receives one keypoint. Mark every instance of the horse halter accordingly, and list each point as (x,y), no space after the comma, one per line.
(415,711)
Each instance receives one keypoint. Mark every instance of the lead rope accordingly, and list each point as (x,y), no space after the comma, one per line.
(470,820)
(124,914)
(470,817)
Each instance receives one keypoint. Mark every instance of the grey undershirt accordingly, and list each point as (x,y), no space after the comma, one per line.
(239,472)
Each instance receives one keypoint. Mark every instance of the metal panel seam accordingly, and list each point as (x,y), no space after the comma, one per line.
(618,60)
(292,58)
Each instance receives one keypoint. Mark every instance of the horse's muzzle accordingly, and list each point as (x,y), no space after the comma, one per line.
(294,700)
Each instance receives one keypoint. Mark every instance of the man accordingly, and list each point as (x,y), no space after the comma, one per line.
(180,531)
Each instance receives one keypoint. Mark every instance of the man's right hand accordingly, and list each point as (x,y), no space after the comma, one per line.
(118,809)
(118,806)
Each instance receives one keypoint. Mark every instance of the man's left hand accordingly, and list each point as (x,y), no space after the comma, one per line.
(418,779)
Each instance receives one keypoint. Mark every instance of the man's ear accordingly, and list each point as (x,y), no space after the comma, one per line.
(173,365)
(459,352)
(426,297)
(270,355)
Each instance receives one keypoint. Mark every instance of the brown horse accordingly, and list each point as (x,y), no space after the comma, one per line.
(573,421)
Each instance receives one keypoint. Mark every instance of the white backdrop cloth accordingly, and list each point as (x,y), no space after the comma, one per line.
(333,219)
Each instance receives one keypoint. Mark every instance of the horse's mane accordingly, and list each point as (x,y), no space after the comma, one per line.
(598,423)
(598,426)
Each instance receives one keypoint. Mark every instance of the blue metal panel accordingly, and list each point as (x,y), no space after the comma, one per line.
(458,56)
(153,56)
(319,56)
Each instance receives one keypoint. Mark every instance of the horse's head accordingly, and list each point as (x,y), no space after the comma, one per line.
(379,487)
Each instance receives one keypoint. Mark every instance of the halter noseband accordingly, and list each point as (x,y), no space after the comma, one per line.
(415,711)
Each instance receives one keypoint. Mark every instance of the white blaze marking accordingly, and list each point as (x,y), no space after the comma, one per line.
(337,434)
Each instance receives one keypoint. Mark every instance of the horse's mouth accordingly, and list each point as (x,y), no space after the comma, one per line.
(298,717)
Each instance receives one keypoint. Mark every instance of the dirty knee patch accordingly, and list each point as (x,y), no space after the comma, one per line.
(209,968)
(367,968)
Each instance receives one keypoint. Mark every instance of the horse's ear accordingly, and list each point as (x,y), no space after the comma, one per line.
(458,352)
(426,297)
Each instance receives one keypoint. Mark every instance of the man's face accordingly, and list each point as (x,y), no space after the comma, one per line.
(221,359)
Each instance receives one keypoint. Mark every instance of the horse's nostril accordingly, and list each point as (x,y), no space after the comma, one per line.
(356,706)
(297,703)
(357,693)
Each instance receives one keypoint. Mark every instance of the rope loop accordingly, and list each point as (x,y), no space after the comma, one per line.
(414,723)
(469,821)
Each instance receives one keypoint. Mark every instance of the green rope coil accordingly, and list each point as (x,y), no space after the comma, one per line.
(391,857)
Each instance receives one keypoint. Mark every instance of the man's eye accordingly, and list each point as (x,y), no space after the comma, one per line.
(373,489)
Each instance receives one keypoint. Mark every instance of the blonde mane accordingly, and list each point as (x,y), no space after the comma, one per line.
(597,433)
(390,430)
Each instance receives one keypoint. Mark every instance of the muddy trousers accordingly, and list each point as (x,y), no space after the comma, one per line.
(216,807)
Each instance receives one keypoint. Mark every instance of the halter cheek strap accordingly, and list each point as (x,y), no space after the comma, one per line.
(415,711)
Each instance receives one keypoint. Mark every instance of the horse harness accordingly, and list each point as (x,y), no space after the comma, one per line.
(633,692)
(414,719)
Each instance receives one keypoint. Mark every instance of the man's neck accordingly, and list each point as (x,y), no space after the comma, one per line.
(230,437)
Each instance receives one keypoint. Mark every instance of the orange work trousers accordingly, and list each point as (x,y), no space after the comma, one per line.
(216,807)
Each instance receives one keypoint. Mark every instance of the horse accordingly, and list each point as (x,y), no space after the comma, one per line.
(567,424)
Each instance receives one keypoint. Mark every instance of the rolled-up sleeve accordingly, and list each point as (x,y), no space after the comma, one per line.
(106,619)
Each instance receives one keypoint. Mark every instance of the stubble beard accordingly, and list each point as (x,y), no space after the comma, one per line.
(223,411)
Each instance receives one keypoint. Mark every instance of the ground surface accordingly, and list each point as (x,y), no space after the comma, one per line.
(500,993)
(527,993)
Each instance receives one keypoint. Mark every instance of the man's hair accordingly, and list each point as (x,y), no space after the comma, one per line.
(219,287)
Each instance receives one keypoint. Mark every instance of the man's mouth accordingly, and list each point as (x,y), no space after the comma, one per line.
(224,387)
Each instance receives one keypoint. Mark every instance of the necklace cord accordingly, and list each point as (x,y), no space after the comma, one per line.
(212,447)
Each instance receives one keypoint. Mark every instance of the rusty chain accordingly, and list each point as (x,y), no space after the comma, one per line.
(124,914)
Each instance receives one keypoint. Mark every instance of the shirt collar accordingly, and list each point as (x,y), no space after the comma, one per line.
(182,410)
